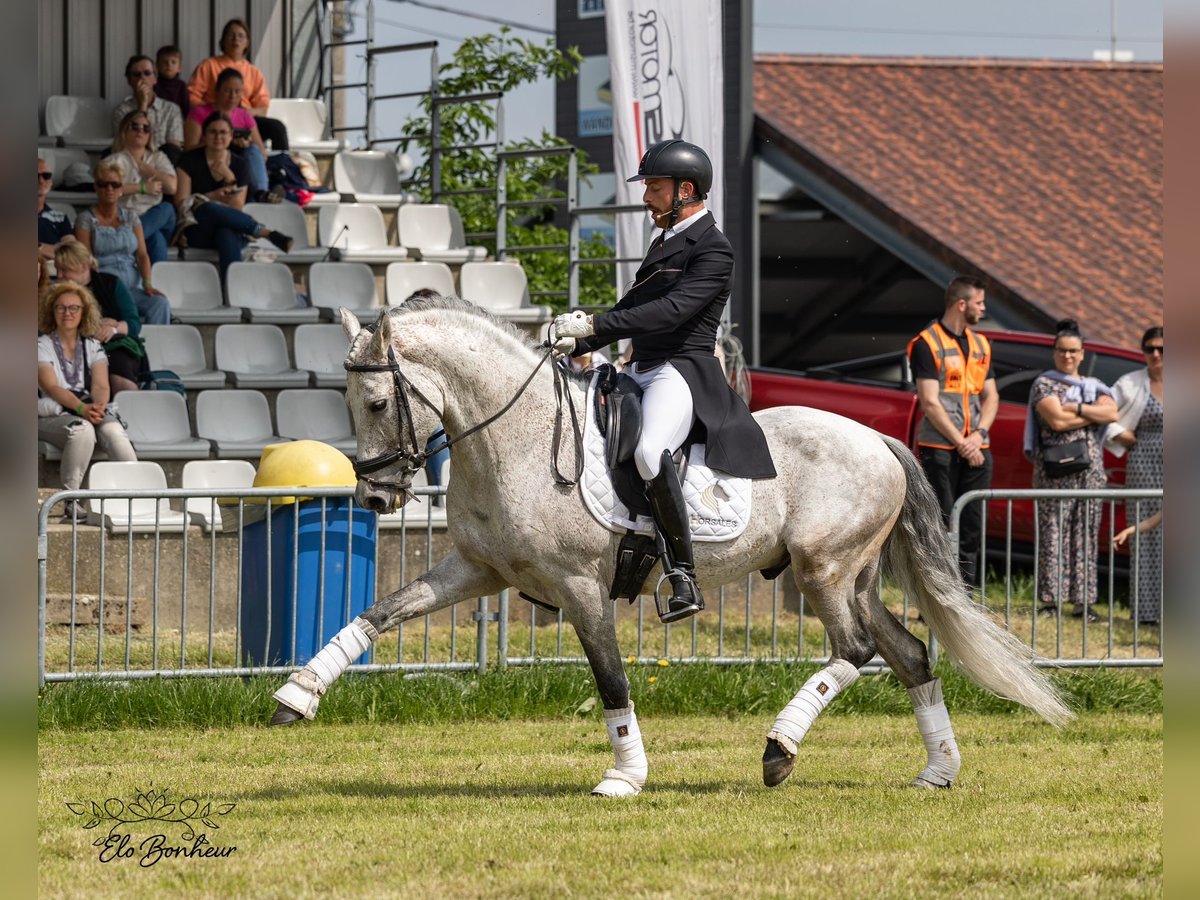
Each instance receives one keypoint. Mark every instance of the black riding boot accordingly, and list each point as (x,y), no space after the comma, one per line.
(674,542)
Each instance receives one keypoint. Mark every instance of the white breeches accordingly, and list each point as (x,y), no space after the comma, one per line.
(667,415)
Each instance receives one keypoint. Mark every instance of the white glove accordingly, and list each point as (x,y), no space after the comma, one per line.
(576,324)
(565,346)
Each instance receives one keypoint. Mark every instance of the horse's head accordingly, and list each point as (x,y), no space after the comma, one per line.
(393,416)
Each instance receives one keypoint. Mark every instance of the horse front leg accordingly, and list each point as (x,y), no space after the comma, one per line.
(453,579)
(593,621)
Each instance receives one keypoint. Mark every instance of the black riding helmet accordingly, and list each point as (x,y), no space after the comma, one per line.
(680,161)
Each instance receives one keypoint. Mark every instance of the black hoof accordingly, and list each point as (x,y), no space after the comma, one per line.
(777,765)
(285,715)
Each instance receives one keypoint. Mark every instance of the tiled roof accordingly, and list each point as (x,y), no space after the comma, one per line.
(1047,177)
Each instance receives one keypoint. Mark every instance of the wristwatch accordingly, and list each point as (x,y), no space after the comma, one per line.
(983,433)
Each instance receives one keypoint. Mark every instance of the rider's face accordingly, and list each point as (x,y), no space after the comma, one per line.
(657,198)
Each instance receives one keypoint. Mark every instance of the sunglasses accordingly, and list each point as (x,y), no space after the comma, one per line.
(140,126)
(1153,348)
(45,176)
(108,185)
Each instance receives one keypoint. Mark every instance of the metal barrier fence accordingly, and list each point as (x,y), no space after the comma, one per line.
(157,599)
(1126,641)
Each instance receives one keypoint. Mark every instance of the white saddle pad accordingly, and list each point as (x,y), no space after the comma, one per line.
(718,504)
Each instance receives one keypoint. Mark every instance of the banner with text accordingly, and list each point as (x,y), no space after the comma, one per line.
(667,73)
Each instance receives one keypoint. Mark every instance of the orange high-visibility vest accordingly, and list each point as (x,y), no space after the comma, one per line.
(960,382)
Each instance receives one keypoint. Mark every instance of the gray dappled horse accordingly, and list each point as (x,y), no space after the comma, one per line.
(846,501)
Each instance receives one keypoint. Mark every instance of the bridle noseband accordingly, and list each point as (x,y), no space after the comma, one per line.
(412,455)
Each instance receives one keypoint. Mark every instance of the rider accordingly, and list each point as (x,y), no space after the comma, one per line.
(672,313)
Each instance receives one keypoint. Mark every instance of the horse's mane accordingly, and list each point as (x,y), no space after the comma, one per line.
(457,304)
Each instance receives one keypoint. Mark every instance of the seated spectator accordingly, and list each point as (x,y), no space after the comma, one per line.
(53,226)
(113,234)
(119,325)
(169,61)
(165,117)
(73,386)
(149,177)
(235,44)
(211,192)
(247,143)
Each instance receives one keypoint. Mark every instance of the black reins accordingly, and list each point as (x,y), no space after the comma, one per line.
(413,456)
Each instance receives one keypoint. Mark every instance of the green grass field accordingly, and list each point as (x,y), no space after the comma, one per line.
(501,809)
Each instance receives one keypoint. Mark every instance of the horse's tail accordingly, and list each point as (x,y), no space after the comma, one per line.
(919,555)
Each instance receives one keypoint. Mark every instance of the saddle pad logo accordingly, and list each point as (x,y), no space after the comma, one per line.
(712,495)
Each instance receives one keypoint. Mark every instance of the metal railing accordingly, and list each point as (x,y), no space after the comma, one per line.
(141,601)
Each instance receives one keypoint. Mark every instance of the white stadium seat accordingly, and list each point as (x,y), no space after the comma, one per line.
(348,284)
(79,121)
(238,423)
(158,426)
(434,231)
(316,415)
(321,350)
(256,356)
(502,289)
(307,123)
(417,513)
(405,277)
(181,349)
(213,473)
(136,514)
(358,232)
(266,292)
(59,159)
(194,289)
(370,176)
(286,218)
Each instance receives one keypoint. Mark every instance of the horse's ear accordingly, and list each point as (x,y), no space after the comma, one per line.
(383,335)
(349,323)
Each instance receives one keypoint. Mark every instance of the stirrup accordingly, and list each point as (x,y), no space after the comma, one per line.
(684,609)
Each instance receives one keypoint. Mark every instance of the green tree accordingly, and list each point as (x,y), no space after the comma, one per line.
(497,63)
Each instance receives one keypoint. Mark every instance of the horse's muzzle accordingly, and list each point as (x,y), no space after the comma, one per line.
(376,498)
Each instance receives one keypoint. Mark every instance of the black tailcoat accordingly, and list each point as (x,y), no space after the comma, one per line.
(672,312)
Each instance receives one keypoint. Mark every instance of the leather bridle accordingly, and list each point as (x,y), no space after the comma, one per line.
(412,455)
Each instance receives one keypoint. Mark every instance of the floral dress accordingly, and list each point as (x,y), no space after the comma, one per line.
(1067,530)
(1145,470)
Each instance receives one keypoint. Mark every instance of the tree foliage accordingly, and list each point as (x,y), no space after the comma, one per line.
(498,63)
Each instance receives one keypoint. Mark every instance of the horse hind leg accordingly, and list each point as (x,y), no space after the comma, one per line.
(851,647)
(905,653)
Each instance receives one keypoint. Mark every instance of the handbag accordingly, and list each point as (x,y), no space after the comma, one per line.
(1066,459)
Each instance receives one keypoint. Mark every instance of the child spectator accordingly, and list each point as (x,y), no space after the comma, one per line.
(169,62)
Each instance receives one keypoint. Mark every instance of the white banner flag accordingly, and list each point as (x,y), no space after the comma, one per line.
(667,82)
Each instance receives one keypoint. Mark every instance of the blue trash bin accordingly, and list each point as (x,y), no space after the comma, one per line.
(288,622)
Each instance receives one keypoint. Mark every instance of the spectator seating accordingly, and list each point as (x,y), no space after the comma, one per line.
(286,218)
(434,232)
(502,289)
(138,514)
(348,284)
(417,513)
(255,356)
(181,349)
(318,415)
(236,423)
(307,124)
(213,473)
(403,278)
(320,350)
(370,176)
(82,122)
(158,426)
(194,289)
(266,292)
(358,232)
(60,159)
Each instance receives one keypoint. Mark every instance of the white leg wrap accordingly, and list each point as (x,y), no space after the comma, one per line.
(933,721)
(629,774)
(797,717)
(304,689)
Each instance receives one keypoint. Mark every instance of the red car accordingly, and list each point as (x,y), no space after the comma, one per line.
(879,391)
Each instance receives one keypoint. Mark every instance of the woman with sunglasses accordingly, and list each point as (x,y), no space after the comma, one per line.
(1066,408)
(1139,430)
(73,388)
(149,179)
(211,193)
(114,236)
